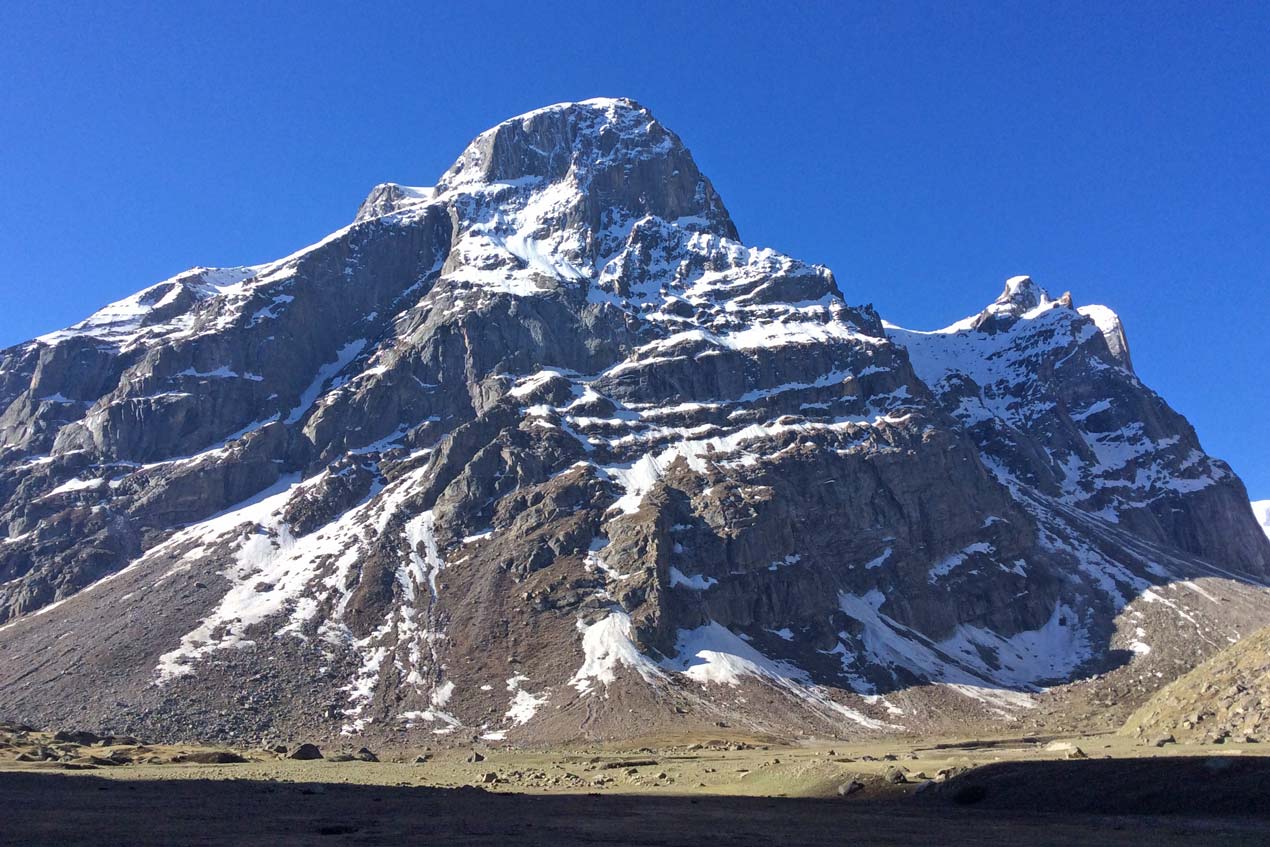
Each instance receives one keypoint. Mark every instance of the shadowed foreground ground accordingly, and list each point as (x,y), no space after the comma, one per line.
(1185,801)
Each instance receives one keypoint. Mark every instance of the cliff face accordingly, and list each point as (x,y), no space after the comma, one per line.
(546,451)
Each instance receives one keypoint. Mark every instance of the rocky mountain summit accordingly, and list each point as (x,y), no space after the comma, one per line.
(545,451)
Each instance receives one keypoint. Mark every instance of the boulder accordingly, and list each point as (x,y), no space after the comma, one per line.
(76,737)
(850,787)
(305,752)
(210,757)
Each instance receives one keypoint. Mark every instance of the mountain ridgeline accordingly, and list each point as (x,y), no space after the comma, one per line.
(544,451)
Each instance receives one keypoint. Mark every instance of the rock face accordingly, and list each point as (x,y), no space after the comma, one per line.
(544,451)
(1227,698)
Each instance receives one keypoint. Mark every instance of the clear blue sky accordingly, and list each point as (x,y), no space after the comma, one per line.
(925,152)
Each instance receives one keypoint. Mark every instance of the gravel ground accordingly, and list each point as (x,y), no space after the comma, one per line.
(1092,790)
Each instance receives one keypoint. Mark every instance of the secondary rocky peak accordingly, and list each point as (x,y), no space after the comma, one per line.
(1020,296)
(388,197)
(1023,294)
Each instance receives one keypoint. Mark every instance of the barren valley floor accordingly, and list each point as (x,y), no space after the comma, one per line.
(1091,790)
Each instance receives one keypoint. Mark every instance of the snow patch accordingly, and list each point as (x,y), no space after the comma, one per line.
(606,647)
(523,704)
(1261,509)
(713,654)
(343,357)
(697,582)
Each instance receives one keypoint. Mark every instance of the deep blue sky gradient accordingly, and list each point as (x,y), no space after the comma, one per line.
(923,151)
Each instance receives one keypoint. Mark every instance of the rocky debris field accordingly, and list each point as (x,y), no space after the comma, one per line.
(1226,699)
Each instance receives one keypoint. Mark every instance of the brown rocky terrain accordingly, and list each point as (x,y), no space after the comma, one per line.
(1225,699)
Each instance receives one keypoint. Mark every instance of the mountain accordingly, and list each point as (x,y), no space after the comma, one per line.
(545,451)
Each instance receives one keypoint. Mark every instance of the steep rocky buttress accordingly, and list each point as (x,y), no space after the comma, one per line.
(545,451)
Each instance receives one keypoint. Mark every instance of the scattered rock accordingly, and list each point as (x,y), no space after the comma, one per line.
(82,738)
(850,787)
(305,753)
(210,757)
(106,761)
(365,755)
(474,758)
